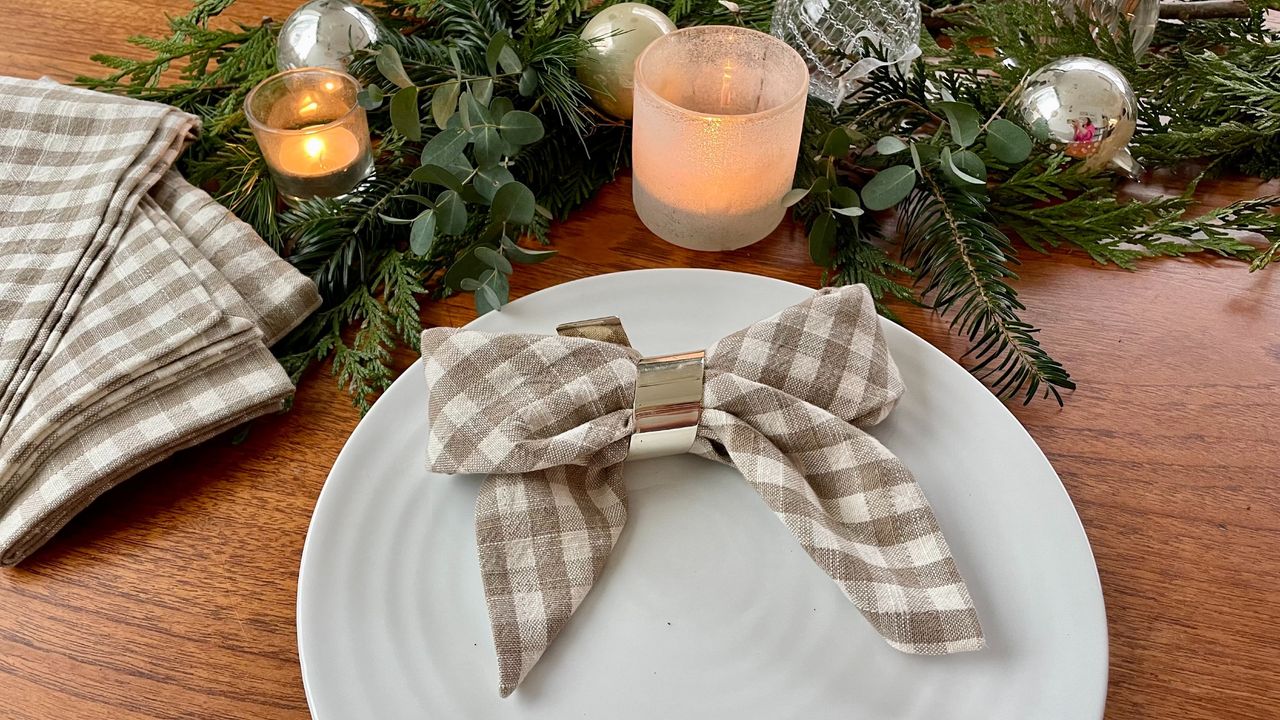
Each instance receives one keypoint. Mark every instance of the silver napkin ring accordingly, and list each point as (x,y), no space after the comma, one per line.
(668,404)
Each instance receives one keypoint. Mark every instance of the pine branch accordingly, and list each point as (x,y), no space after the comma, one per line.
(965,259)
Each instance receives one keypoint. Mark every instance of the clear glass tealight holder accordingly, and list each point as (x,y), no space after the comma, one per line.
(716,132)
(312,132)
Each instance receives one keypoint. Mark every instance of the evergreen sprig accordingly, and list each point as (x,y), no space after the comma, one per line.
(917,186)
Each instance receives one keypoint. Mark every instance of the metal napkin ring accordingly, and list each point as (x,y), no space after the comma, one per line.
(668,402)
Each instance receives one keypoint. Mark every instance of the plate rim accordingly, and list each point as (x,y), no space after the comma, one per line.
(885,323)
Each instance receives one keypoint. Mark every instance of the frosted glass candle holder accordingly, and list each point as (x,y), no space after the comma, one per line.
(718,115)
(312,132)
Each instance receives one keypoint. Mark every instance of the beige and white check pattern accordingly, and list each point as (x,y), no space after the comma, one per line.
(136,311)
(785,401)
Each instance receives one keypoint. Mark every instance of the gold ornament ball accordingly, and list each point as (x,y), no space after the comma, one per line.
(617,35)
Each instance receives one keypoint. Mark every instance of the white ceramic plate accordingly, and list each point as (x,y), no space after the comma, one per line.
(708,608)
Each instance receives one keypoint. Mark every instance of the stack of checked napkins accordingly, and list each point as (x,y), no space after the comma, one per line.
(135,312)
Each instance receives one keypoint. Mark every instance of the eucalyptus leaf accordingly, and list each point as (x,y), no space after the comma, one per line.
(496,43)
(513,203)
(525,255)
(404,112)
(845,197)
(493,292)
(467,265)
(487,300)
(423,233)
(969,162)
(489,179)
(482,90)
(388,62)
(489,148)
(822,239)
(521,128)
(955,173)
(528,82)
(470,284)
(436,175)
(444,103)
(793,196)
(508,60)
(1008,141)
(456,62)
(445,147)
(499,107)
(418,199)
(963,121)
(889,187)
(848,211)
(820,185)
(370,98)
(494,259)
(890,145)
(395,220)
(836,143)
(452,212)
(473,112)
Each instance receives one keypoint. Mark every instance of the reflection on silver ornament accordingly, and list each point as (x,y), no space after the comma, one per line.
(1083,107)
(1105,16)
(325,33)
(617,35)
(843,40)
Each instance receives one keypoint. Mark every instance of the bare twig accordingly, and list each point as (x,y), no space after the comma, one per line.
(1203,9)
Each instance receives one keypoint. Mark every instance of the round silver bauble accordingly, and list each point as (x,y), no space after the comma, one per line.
(325,33)
(1085,108)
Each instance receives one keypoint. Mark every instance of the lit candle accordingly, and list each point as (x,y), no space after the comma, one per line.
(718,116)
(311,131)
(320,153)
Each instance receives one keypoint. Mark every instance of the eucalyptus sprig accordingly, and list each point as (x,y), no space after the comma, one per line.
(921,185)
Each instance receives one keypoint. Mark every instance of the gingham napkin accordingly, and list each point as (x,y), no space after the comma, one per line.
(136,310)
(549,418)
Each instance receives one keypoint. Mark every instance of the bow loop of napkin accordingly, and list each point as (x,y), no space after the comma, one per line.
(784,401)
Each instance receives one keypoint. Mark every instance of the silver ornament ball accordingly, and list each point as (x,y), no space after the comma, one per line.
(325,33)
(1105,16)
(1084,107)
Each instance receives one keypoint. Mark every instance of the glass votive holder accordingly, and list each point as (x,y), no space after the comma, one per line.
(718,116)
(312,132)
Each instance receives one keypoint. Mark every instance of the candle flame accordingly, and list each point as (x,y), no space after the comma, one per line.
(329,85)
(309,105)
(313,147)
(726,86)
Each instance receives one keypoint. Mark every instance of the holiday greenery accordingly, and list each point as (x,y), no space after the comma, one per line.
(918,186)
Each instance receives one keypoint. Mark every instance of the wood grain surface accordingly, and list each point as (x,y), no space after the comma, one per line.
(173,595)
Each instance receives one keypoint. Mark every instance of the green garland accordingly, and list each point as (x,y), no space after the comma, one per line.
(484,135)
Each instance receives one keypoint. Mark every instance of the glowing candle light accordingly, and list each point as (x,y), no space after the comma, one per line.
(718,116)
(312,132)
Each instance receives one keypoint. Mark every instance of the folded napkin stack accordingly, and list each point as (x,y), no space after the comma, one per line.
(135,311)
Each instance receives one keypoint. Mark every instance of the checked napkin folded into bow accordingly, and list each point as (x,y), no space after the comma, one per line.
(550,419)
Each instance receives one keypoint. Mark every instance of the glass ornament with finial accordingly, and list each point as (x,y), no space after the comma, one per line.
(843,40)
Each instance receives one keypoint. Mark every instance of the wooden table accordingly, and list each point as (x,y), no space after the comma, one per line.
(173,596)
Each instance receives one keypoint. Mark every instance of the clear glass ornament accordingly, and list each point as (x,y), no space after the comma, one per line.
(325,33)
(838,39)
(1083,107)
(1142,16)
